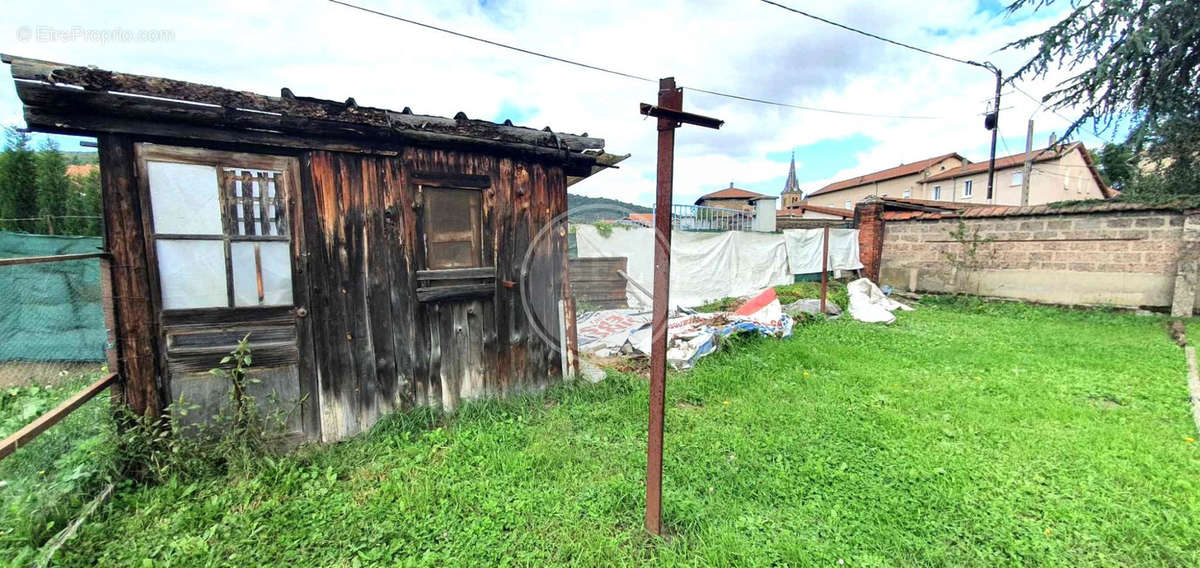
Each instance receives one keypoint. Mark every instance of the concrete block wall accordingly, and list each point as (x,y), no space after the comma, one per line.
(1126,258)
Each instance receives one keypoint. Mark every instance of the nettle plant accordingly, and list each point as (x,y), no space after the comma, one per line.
(237,438)
(970,255)
(234,367)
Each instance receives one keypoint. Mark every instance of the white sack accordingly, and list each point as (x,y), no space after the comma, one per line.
(804,249)
(704,266)
(868,304)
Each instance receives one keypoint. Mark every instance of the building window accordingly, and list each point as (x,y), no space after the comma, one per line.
(1017,178)
(968,188)
(456,264)
(907,193)
(849,205)
(453,231)
(937,192)
(221,235)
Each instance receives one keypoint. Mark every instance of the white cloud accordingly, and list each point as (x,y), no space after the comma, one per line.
(324,50)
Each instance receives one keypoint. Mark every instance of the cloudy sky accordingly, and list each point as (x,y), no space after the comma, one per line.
(746,47)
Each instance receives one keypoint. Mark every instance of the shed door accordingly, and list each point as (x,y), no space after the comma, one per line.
(456,284)
(225,242)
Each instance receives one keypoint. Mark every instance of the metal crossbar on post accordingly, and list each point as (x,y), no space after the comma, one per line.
(669,112)
(51,258)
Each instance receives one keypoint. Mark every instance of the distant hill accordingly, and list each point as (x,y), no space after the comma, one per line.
(82,157)
(610,208)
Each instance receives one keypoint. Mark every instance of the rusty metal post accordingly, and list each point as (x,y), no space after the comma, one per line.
(824,269)
(670,115)
(671,98)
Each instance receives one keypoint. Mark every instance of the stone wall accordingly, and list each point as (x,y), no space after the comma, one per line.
(1120,258)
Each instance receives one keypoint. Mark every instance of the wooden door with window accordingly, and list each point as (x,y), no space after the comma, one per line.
(456,285)
(226,242)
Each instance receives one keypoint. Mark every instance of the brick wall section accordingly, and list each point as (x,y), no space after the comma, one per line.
(1042,258)
(868,219)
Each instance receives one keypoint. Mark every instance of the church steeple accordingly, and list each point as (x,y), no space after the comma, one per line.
(791,188)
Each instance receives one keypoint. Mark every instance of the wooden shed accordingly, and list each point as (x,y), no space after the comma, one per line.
(379,260)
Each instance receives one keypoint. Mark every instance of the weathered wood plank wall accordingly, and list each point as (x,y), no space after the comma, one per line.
(376,348)
(596,282)
(125,237)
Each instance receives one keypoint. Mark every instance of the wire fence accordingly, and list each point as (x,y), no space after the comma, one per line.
(51,313)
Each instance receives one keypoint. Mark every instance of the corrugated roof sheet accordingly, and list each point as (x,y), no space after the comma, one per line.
(49,79)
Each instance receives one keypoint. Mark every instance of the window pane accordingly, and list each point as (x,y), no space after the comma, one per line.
(191,274)
(275,261)
(452,225)
(257,202)
(185,198)
(451,255)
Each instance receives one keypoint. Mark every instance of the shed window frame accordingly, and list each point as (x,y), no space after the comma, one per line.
(449,282)
(231,168)
(436,234)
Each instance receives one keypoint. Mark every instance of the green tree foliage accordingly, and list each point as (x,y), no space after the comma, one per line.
(1117,164)
(84,204)
(37,195)
(53,190)
(1135,62)
(1169,156)
(18,183)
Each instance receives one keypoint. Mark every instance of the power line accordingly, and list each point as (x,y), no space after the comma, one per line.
(985,65)
(622,73)
(495,43)
(874,36)
(801,107)
(1041,103)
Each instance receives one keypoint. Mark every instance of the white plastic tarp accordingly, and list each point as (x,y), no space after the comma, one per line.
(804,249)
(869,304)
(704,266)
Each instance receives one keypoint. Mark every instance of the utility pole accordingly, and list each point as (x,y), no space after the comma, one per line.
(669,112)
(992,122)
(1028,169)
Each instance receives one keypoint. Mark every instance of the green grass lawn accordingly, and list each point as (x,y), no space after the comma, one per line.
(46,482)
(961,435)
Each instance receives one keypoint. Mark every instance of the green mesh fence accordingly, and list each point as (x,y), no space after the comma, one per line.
(50,312)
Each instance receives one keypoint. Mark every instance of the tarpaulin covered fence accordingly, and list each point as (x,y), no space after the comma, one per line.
(710,266)
(50,311)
